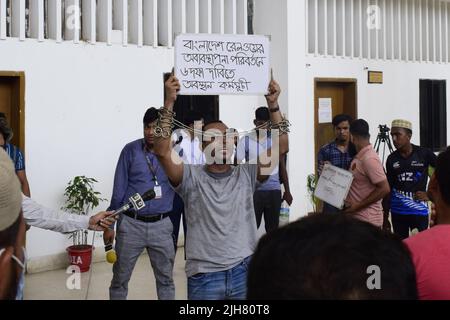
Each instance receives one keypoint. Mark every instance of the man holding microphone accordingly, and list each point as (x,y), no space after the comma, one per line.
(139,170)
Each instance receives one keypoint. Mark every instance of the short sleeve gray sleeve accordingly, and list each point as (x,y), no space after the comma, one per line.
(252,171)
(240,150)
(219,213)
(188,182)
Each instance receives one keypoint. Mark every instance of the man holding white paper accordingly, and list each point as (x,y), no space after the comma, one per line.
(338,152)
(370,183)
(333,186)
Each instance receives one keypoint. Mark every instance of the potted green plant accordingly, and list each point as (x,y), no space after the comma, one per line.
(311,183)
(81,198)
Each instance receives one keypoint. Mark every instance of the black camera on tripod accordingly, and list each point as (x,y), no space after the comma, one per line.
(384,139)
(384,129)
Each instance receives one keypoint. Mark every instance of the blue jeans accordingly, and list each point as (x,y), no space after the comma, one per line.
(230,284)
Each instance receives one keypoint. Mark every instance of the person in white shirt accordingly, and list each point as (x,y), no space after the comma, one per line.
(187,143)
(41,217)
(17,209)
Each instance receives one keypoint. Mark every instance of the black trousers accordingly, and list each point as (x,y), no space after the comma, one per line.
(329,209)
(402,223)
(269,204)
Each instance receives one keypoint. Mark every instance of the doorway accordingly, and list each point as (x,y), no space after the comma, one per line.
(433,114)
(12,104)
(332,96)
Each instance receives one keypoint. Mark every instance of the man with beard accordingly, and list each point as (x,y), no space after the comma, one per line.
(218,198)
(369,185)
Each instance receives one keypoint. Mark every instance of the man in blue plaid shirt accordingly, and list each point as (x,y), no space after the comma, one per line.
(339,152)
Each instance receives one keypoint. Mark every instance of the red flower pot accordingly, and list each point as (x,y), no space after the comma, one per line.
(81,256)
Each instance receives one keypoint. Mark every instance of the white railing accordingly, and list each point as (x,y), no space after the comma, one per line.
(401,30)
(139,22)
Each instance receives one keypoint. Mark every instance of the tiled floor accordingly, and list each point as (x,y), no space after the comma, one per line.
(52,285)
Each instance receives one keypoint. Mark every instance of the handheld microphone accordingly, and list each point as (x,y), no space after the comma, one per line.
(137,202)
(111,256)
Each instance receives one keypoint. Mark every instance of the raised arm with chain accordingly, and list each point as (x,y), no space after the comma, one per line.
(169,159)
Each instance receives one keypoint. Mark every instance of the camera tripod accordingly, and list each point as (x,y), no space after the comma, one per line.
(383,138)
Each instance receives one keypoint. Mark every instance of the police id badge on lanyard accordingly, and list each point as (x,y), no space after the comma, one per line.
(157,188)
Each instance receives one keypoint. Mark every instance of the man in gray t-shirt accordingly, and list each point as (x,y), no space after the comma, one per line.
(224,230)
(218,198)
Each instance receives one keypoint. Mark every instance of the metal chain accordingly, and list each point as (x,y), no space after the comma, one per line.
(166,122)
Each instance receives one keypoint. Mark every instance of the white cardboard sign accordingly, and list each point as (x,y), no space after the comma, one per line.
(214,64)
(333,185)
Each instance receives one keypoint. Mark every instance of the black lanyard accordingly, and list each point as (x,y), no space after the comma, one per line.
(153,170)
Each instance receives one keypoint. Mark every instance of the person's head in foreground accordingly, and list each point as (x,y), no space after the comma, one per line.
(439,188)
(12,229)
(430,249)
(331,257)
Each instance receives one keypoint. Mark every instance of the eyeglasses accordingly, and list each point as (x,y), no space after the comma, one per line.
(16,259)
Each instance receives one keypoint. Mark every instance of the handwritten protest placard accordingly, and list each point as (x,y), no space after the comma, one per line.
(333,185)
(212,64)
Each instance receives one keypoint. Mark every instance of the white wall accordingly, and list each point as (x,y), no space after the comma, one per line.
(397,97)
(83,104)
(269,19)
(239,111)
(282,20)
(301,143)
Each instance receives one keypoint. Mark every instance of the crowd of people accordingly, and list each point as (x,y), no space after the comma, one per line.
(221,185)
